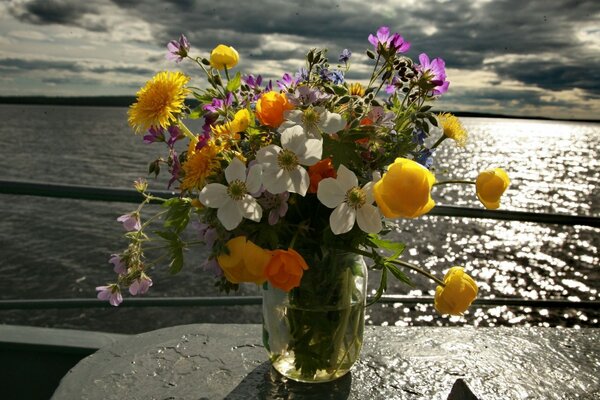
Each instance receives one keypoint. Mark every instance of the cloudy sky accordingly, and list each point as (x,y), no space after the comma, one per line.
(515,57)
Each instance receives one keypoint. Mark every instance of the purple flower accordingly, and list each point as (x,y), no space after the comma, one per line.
(175,135)
(119,266)
(337,77)
(419,136)
(131,222)
(252,81)
(276,203)
(174,168)
(155,134)
(140,285)
(345,56)
(435,72)
(209,120)
(110,293)
(218,105)
(304,95)
(286,82)
(213,267)
(208,234)
(302,75)
(395,41)
(394,85)
(178,50)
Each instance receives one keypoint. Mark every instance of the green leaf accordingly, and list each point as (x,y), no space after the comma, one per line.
(177,259)
(340,152)
(196,113)
(382,287)
(234,83)
(178,214)
(397,248)
(401,276)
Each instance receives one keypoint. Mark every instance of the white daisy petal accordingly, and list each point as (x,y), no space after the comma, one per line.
(342,219)
(299,181)
(346,178)
(313,151)
(230,214)
(236,170)
(368,190)
(213,195)
(275,180)
(294,116)
(250,208)
(254,179)
(294,139)
(330,193)
(332,122)
(369,219)
(268,155)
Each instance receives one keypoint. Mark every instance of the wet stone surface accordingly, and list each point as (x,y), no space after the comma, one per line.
(210,361)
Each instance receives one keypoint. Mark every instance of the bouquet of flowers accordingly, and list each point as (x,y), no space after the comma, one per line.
(285,175)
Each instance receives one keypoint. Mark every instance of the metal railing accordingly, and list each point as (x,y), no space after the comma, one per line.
(131,196)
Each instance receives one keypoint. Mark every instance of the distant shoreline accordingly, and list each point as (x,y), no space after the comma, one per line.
(126,101)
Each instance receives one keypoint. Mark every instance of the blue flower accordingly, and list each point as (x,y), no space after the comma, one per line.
(425,158)
(345,56)
(337,77)
(419,136)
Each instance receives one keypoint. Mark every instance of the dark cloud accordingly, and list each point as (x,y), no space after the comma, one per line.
(62,12)
(67,65)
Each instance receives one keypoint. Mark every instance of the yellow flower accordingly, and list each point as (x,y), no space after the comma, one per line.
(159,102)
(246,262)
(490,185)
(224,57)
(270,108)
(457,295)
(404,190)
(453,129)
(285,269)
(230,130)
(199,165)
(356,89)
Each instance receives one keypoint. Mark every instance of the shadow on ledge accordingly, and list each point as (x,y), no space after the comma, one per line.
(264,382)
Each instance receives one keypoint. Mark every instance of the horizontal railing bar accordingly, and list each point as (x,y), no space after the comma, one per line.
(31,304)
(132,196)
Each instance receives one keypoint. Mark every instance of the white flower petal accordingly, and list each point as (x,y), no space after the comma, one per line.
(275,180)
(332,122)
(294,116)
(293,138)
(330,193)
(313,151)
(254,179)
(230,214)
(299,181)
(346,178)
(250,208)
(286,124)
(369,219)
(213,195)
(342,219)
(368,190)
(268,155)
(236,170)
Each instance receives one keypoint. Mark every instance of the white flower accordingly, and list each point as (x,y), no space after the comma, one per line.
(351,203)
(282,167)
(234,201)
(314,120)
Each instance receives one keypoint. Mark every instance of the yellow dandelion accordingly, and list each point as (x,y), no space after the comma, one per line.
(453,129)
(356,89)
(159,101)
(200,165)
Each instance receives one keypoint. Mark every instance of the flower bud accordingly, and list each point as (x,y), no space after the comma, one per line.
(245,262)
(224,57)
(270,108)
(490,185)
(458,293)
(404,190)
(285,269)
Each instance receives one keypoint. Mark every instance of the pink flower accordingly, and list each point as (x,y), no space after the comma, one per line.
(119,266)
(110,293)
(178,50)
(140,285)
(394,41)
(131,222)
(435,71)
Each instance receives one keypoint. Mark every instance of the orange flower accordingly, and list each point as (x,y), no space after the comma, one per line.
(270,108)
(321,170)
(285,269)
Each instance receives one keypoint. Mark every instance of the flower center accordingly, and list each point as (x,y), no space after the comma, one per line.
(356,197)
(310,119)
(287,160)
(237,189)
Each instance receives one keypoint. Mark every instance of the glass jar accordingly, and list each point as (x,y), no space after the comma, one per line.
(314,332)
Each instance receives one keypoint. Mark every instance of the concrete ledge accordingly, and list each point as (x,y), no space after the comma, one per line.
(208,361)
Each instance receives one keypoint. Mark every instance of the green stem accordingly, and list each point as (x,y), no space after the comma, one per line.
(439,141)
(186,131)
